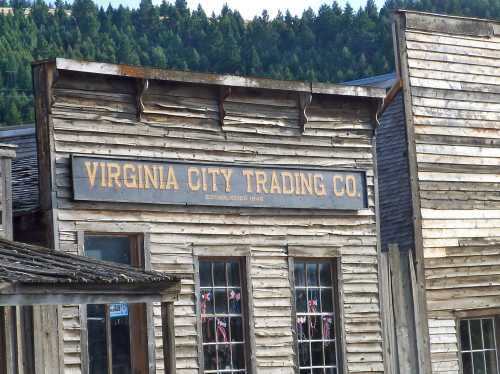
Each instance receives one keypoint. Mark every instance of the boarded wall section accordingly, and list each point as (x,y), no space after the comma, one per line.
(98,115)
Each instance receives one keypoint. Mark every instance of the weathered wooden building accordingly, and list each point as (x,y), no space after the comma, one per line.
(438,151)
(260,193)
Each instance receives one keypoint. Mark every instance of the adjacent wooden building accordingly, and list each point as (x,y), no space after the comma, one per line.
(438,152)
(261,194)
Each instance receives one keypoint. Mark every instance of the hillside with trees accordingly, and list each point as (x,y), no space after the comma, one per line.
(329,44)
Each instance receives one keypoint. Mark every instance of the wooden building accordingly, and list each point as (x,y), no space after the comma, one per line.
(438,151)
(260,193)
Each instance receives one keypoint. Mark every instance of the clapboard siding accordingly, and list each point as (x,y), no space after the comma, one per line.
(394,178)
(98,115)
(455,91)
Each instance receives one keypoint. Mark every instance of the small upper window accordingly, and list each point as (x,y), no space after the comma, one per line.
(223,326)
(478,346)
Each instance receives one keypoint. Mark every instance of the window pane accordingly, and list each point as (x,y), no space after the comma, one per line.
(302,328)
(330,358)
(467,363)
(208,327)
(318,371)
(478,363)
(317,354)
(313,302)
(464,335)
(325,274)
(220,301)
(96,325)
(236,329)
(224,353)
(108,248)
(328,328)
(300,275)
(233,271)
(488,333)
(331,371)
(491,362)
(305,371)
(219,274)
(222,328)
(205,274)
(312,275)
(120,343)
(206,301)
(475,331)
(326,300)
(234,301)
(300,301)
(304,355)
(315,327)
(210,359)
(238,352)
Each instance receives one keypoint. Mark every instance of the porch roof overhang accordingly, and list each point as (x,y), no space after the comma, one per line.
(35,275)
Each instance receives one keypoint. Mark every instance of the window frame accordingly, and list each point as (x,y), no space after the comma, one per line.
(303,256)
(496,326)
(247,314)
(140,244)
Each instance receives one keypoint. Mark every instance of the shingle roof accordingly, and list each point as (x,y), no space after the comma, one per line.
(28,264)
(25,195)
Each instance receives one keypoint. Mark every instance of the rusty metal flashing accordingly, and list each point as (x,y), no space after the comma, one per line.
(214,79)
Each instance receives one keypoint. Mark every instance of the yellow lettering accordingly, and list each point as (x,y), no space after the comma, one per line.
(171,179)
(260,181)
(214,172)
(103,174)
(248,174)
(227,173)
(151,176)
(114,174)
(319,185)
(297,183)
(338,191)
(287,182)
(306,183)
(194,186)
(204,179)
(275,184)
(161,176)
(129,176)
(91,172)
(141,175)
(350,184)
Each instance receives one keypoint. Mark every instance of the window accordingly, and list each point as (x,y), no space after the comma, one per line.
(478,346)
(316,319)
(222,316)
(116,333)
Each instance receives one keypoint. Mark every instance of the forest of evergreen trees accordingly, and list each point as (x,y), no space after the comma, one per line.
(329,44)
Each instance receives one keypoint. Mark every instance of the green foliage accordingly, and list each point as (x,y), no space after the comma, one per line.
(331,44)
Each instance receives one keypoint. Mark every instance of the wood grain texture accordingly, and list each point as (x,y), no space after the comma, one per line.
(91,115)
(455,91)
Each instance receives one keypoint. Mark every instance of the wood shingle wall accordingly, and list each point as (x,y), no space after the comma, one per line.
(451,69)
(99,115)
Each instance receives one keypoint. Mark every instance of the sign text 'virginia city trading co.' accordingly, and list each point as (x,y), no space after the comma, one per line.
(173,182)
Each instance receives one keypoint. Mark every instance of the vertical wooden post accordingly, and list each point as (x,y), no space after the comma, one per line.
(168,327)
(404,325)
(390,352)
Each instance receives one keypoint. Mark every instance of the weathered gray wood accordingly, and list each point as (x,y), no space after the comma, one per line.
(181,121)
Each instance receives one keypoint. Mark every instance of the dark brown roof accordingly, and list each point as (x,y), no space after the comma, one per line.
(27,264)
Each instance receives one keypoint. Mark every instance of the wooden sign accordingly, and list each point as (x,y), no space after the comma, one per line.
(173,182)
